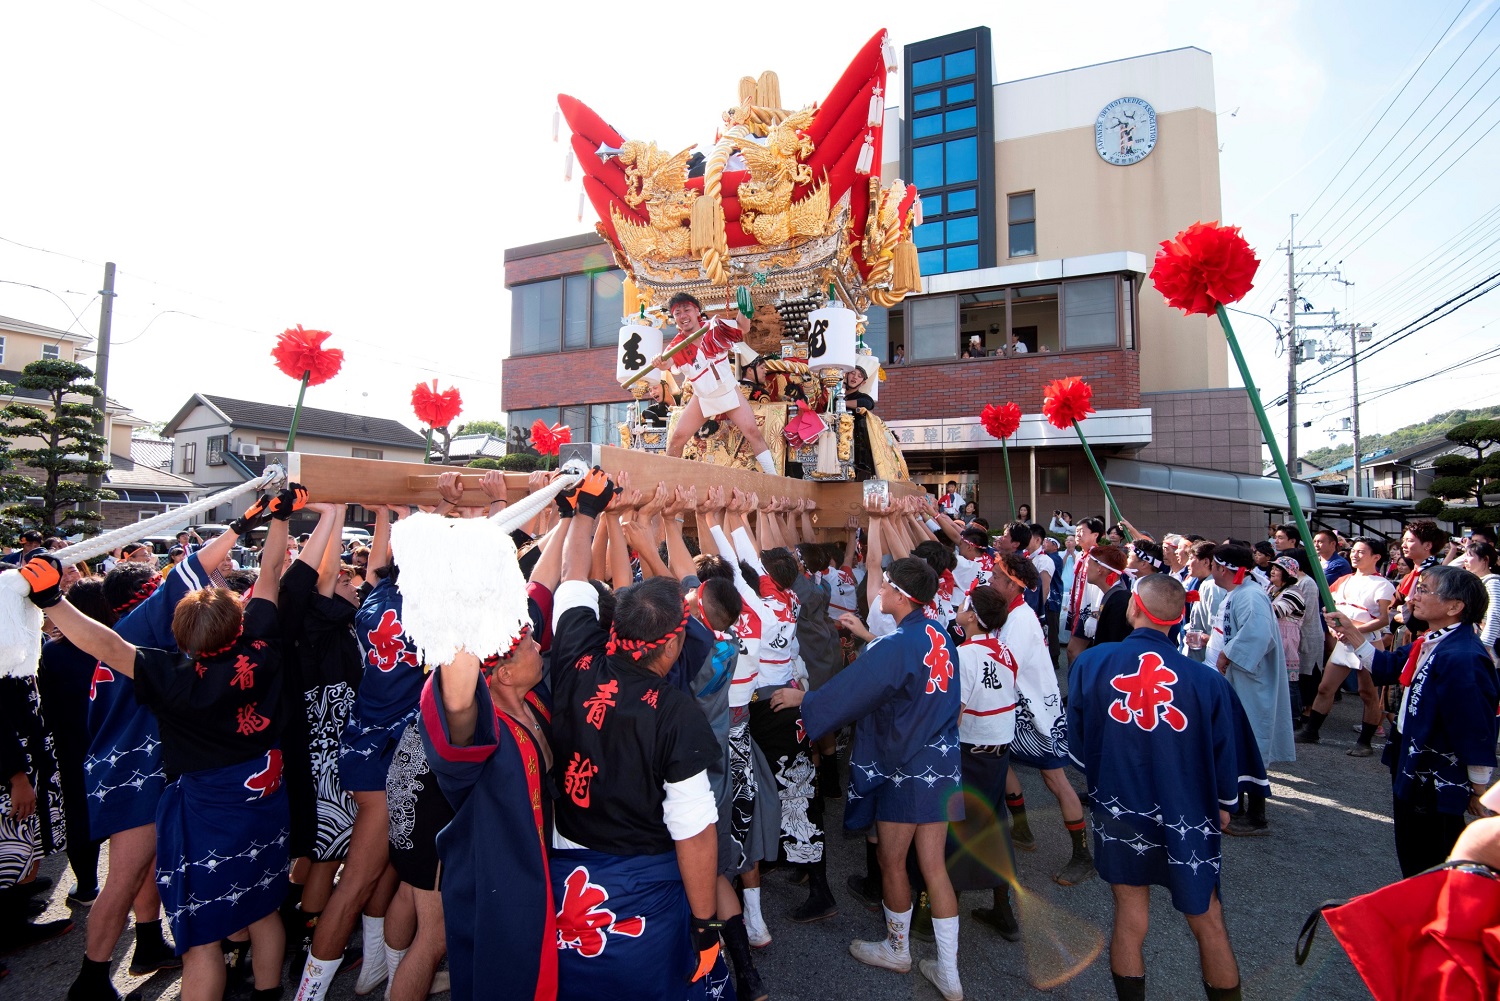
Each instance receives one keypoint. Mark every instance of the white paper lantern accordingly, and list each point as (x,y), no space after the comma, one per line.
(639,345)
(831,338)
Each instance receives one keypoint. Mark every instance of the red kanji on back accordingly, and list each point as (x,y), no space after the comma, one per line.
(1148,696)
(583,923)
(576,779)
(101,673)
(940,668)
(268,780)
(244,673)
(602,702)
(585,662)
(387,647)
(650,697)
(249,721)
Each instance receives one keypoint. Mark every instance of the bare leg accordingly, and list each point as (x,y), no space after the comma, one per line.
(401,918)
(131,854)
(203,973)
(895,887)
(931,839)
(267,950)
(743,418)
(147,903)
(726,904)
(1059,786)
(1219,967)
(1333,677)
(318,887)
(688,423)
(1132,921)
(413,978)
(369,855)
(1370,696)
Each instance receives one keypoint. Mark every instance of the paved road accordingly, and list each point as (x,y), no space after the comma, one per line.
(1332,838)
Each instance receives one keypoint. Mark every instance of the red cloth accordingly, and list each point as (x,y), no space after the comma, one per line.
(1409,671)
(1436,935)
(721,336)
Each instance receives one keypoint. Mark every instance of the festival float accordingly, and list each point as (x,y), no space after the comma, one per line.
(783,219)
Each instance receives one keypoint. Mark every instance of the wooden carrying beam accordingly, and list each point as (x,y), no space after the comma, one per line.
(375,482)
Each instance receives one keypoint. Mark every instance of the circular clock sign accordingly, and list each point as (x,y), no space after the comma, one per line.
(1125,131)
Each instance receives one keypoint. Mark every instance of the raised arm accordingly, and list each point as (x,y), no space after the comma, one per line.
(679,559)
(460,682)
(874,576)
(43,575)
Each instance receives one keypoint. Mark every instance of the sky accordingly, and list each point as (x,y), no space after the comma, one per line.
(362,168)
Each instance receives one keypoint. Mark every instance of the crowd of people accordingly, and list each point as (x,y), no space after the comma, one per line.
(304,773)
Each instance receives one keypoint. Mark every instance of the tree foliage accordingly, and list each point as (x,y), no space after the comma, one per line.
(1405,437)
(496,428)
(54,439)
(1468,478)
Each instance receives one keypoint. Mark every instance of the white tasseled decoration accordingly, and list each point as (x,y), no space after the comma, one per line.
(580,206)
(460,584)
(556,124)
(20,627)
(889,52)
(866,156)
(916,211)
(568,166)
(877,108)
(828,450)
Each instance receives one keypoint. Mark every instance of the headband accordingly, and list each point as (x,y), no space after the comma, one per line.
(211,654)
(975,609)
(147,588)
(1239,572)
(1111,574)
(900,591)
(1141,607)
(1000,565)
(1146,557)
(639,648)
(494,659)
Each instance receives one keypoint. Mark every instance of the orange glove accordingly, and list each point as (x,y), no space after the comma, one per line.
(255,516)
(594,493)
(43,575)
(289,501)
(706,946)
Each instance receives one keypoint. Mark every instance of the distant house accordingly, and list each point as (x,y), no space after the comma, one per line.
(466,447)
(219,442)
(143,483)
(1405,474)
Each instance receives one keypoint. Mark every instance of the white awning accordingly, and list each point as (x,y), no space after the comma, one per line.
(1115,428)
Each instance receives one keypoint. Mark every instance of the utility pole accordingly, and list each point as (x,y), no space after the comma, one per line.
(1354,370)
(1294,347)
(101,374)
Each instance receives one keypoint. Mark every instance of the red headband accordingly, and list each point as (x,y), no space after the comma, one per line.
(1141,607)
(147,588)
(210,654)
(639,648)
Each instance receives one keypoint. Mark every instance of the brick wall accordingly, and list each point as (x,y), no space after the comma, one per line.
(563,262)
(960,388)
(560,379)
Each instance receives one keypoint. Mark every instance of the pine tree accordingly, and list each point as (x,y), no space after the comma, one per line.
(1461,478)
(54,440)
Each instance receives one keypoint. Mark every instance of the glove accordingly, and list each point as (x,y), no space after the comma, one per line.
(43,575)
(594,493)
(705,932)
(742,301)
(289,501)
(255,516)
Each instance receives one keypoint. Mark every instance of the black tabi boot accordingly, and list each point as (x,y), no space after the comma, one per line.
(819,903)
(747,982)
(1129,988)
(151,950)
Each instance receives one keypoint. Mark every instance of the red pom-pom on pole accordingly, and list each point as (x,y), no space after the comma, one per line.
(1204,266)
(433,408)
(1002,421)
(1067,401)
(300,354)
(550,440)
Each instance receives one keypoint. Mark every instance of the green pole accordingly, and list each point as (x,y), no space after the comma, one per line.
(1281,470)
(291,435)
(1109,498)
(427,454)
(1009,487)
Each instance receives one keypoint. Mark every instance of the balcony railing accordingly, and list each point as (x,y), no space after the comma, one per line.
(1394,491)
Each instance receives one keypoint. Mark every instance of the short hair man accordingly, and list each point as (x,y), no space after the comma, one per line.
(1445,755)
(706,365)
(1286,537)
(951,502)
(1154,734)
(1335,565)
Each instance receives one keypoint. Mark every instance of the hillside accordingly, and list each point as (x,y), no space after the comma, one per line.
(1401,437)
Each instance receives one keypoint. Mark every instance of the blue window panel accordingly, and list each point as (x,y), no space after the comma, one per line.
(963,258)
(963,161)
(928,125)
(927,101)
(929,71)
(928,235)
(931,262)
(927,166)
(963,92)
(961,201)
(963,230)
(932,204)
(956,64)
(965,118)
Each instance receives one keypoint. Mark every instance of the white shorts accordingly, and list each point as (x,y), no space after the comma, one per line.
(723,401)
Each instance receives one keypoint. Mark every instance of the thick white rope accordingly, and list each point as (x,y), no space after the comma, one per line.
(86,550)
(517,514)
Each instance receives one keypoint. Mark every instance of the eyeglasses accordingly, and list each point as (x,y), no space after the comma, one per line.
(1417,589)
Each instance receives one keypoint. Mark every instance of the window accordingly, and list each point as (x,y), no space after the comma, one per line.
(51,352)
(933,332)
(1053,479)
(2,350)
(270,444)
(536,317)
(190,457)
(1089,314)
(577,290)
(1022,220)
(217,446)
(518,424)
(877,334)
(1127,300)
(367,453)
(608,304)
(605,420)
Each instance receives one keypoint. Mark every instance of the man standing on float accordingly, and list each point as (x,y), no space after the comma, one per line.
(705,363)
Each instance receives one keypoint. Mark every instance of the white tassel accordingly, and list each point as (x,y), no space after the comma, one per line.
(889,52)
(877,108)
(866,156)
(556,124)
(580,206)
(828,450)
(916,212)
(461,586)
(568,166)
(20,627)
